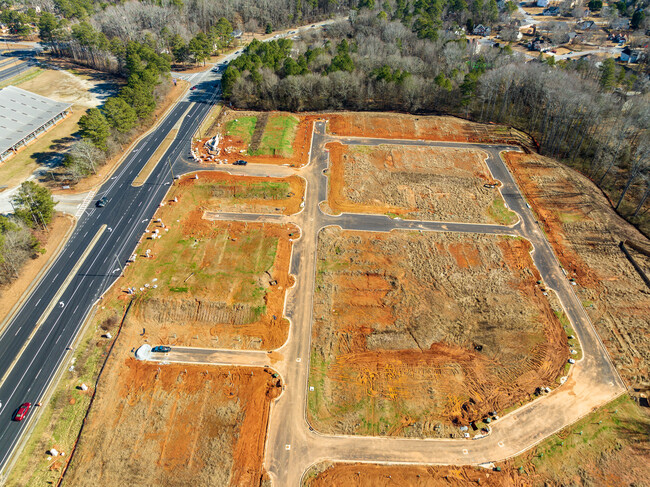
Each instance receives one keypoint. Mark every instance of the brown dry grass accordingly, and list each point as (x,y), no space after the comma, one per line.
(217,283)
(397,321)
(584,232)
(414,182)
(228,193)
(401,126)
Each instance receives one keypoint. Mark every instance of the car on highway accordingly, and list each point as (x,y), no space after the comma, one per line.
(101,202)
(193,88)
(161,349)
(22,411)
(240,162)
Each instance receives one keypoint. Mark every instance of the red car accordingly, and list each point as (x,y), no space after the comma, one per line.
(193,88)
(22,411)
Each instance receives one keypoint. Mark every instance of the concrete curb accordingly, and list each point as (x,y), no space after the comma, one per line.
(37,279)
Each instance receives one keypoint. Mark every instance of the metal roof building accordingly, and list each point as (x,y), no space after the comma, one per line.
(24,115)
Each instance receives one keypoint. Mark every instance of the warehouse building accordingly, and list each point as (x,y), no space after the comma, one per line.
(25,115)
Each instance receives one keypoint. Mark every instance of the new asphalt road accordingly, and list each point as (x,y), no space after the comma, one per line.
(36,341)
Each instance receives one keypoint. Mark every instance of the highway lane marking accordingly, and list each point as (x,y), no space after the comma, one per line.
(116,180)
(55,300)
(18,330)
(10,450)
(151,163)
(52,329)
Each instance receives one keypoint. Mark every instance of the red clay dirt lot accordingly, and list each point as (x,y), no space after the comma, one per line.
(358,474)
(416,334)
(400,126)
(217,284)
(177,425)
(422,183)
(173,425)
(585,232)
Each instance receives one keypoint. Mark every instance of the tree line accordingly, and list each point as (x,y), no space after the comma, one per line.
(34,210)
(107,129)
(582,112)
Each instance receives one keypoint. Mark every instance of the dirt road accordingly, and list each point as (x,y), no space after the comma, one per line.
(292,445)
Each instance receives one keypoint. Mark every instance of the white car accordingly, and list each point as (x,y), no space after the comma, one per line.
(571,361)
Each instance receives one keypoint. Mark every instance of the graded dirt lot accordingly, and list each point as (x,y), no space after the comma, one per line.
(218,191)
(173,425)
(358,474)
(422,183)
(585,234)
(216,284)
(267,138)
(400,126)
(416,334)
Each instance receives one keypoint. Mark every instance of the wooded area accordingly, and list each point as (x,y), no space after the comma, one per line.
(404,55)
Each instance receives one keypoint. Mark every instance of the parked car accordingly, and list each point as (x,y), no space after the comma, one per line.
(240,162)
(101,203)
(22,411)
(193,88)
(161,349)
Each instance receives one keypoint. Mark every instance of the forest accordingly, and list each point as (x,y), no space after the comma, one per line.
(592,116)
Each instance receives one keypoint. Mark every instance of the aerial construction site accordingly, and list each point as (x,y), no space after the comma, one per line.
(368,296)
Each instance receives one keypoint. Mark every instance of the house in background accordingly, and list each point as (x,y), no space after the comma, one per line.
(630,55)
(481,30)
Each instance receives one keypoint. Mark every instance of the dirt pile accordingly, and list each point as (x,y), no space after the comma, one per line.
(585,233)
(358,474)
(401,126)
(173,425)
(422,183)
(415,333)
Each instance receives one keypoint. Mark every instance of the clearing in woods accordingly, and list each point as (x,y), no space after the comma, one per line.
(423,183)
(417,334)
(218,284)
